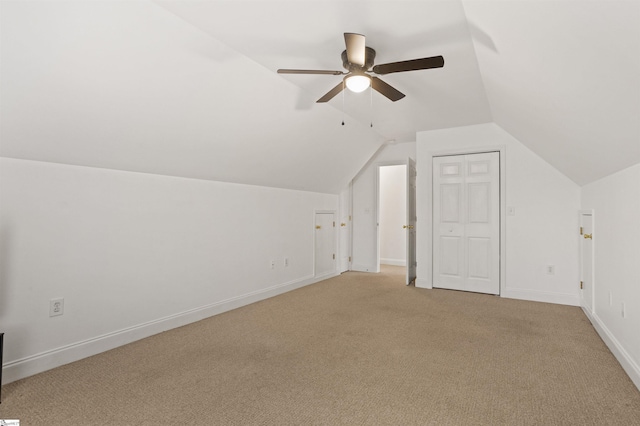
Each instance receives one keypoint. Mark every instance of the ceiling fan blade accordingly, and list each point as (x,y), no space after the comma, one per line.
(331,93)
(327,72)
(411,65)
(355,48)
(385,89)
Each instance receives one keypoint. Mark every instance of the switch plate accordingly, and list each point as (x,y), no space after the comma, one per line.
(551,269)
(56,306)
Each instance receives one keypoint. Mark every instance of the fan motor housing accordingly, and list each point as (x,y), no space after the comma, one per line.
(369,56)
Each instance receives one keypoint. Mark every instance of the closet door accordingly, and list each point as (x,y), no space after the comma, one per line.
(466,222)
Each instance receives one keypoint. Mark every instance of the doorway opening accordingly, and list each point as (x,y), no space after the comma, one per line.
(392,215)
(396,217)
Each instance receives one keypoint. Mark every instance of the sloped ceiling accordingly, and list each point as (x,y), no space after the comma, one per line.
(190,89)
(563,77)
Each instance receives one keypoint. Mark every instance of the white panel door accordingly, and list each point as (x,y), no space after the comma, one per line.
(586,260)
(466,222)
(324,241)
(411,221)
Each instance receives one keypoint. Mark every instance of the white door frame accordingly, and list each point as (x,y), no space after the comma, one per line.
(411,240)
(427,275)
(376,228)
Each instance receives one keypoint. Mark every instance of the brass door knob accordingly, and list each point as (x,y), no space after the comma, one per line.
(318,226)
(343,224)
(588,236)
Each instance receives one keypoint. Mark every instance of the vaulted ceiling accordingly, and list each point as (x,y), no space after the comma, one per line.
(190,89)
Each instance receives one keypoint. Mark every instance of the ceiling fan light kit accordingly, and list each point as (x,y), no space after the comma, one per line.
(358,59)
(357,82)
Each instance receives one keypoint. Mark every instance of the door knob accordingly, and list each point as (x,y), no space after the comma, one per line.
(318,227)
(588,236)
(407,226)
(343,224)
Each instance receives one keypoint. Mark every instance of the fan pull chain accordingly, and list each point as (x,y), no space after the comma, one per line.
(371,104)
(343,103)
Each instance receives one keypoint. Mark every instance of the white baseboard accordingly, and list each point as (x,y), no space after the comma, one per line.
(626,361)
(534,296)
(393,262)
(34,364)
(542,296)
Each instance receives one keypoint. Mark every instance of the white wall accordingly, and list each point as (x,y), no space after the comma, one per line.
(393,215)
(364,187)
(543,230)
(134,254)
(615,201)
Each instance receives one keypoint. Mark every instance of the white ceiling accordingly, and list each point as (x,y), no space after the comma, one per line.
(564,79)
(190,89)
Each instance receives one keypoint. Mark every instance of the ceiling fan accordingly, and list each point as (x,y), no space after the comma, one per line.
(357,59)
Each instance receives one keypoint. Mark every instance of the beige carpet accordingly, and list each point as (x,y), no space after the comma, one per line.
(359,349)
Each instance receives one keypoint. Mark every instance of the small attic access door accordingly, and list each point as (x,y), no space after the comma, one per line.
(324,244)
(466,222)
(586,260)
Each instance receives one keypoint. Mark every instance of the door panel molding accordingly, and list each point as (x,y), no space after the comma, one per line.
(470,214)
(425,274)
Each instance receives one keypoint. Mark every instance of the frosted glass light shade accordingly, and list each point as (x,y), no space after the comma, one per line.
(358,83)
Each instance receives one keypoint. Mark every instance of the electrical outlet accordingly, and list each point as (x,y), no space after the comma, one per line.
(551,269)
(273,264)
(56,307)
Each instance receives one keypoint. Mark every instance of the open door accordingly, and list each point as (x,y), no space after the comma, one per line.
(411,221)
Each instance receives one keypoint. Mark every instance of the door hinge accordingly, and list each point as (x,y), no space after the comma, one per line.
(349,217)
(334,223)
(349,258)
(581,230)
(581,285)
(334,256)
